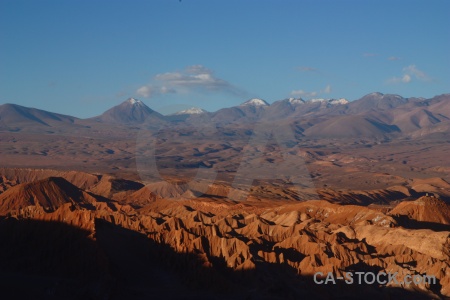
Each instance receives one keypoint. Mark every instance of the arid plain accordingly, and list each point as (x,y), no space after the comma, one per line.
(248,202)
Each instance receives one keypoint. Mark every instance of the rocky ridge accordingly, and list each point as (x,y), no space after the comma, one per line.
(303,238)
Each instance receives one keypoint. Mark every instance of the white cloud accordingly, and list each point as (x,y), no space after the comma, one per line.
(393,58)
(409,73)
(166,90)
(302,93)
(144,91)
(413,71)
(194,78)
(406,78)
(403,79)
(197,69)
(148,91)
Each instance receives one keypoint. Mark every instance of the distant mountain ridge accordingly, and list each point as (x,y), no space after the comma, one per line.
(131,111)
(17,113)
(255,102)
(375,115)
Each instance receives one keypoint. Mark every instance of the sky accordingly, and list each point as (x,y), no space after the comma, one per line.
(82,57)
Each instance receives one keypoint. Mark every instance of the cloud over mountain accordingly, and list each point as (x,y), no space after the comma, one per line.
(195,78)
(409,73)
(302,93)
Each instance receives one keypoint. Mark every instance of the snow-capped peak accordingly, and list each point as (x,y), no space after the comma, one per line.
(191,111)
(255,102)
(330,101)
(296,101)
(134,101)
(376,94)
(338,101)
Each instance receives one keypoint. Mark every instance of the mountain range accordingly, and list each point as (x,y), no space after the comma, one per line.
(375,115)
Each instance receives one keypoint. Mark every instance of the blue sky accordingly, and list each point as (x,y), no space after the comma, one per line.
(82,57)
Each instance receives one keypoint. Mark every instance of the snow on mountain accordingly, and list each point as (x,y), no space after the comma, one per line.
(296,101)
(376,94)
(191,111)
(255,102)
(330,101)
(131,111)
(134,101)
(338,101)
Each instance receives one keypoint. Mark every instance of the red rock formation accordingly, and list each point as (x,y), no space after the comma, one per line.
(425,209)
(298,239)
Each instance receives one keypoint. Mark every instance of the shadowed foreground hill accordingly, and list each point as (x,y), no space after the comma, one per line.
(52,260)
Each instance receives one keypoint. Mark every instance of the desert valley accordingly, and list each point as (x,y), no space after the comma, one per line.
(247,202)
